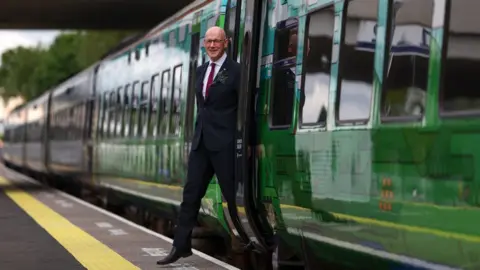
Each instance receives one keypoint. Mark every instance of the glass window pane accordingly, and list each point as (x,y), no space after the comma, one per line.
(316,71)
(408,60)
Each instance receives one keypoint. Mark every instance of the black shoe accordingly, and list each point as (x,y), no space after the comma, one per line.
(174,255)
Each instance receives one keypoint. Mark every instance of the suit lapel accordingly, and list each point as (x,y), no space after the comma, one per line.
(200,83)
(223,68)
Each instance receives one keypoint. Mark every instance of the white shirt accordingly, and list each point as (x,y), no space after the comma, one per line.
(218,65)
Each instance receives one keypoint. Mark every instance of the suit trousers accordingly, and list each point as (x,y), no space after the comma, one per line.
(202,165)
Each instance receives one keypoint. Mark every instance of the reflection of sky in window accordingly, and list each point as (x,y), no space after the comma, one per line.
(316,96)
(355,98)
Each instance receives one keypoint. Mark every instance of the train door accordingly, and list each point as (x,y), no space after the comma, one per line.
(190,108)
(293,114)
(275,121)
(244,25)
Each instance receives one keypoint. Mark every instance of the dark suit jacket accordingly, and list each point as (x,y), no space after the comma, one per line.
(217,113)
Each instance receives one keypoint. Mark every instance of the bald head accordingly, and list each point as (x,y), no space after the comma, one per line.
(215,30)
(215,42)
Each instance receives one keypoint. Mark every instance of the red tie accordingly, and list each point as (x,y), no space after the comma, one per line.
(210,78)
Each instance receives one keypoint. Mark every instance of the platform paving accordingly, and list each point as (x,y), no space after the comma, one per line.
(42,228)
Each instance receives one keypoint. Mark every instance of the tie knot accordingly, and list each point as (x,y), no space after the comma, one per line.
(212,65)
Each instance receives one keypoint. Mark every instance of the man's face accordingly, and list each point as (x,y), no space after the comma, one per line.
(215,43)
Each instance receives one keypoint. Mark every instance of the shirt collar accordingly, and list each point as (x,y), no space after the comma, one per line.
(220,61)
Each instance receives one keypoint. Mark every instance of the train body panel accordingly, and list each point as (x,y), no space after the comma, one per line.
(143,121)
(14,145)
(357,155)
(36,133)
(69,133)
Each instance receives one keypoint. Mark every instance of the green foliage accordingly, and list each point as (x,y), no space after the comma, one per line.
(29,72)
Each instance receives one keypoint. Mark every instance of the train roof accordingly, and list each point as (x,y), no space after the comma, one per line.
(67,84)
(162,25)
(124,46)
(39,100)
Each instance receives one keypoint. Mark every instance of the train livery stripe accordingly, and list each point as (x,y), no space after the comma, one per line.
(90,252)
(410,228)
(407,261)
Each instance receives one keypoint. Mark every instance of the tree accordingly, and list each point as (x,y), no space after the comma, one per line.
(29,72)
(17,67)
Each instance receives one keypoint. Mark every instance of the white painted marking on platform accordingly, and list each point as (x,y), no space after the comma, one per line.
(117,232)
(134,225)
(64,203)
(182,266)
(155,252)
(103,224)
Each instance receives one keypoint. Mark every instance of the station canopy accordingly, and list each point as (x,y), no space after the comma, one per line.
(82,14)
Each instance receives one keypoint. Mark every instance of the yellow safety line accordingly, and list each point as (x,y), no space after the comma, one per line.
(90,252)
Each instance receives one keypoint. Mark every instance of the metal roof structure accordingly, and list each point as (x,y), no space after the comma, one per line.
(83,14)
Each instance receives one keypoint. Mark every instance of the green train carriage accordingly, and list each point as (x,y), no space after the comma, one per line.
(374,152)
(367,135)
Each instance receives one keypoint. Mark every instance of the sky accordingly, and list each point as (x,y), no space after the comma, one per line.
(13,38)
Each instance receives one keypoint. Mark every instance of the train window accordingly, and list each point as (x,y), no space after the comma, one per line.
(232,26)
(119,113)
(316,67)
(105,119)
(154,104)
(461,59)
(404,90)
(165,88)
(134,108)
(127,94)
(76,121)
(57,133)
(70,130)
(356,67)
(112,107)
(282,93)
(98,115)
(190,96)
(79,120)
(143,109)
(147,46)
(176,101)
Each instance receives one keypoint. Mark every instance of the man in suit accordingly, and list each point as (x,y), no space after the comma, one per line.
(213,144)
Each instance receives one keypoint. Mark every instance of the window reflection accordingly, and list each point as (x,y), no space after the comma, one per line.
(143,109)
(165,87)
(127,111)
(461,78)
(318,55)
(283,91)
(357,60)
(135,108)
(119,112)
(175,100)
(155,96)
(407,70)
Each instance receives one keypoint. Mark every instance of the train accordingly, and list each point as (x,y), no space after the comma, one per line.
(365,117)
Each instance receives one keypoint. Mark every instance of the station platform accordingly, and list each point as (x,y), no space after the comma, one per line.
(43,228)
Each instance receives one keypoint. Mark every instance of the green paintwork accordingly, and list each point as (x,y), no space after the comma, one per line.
(131,162)
(427,167)
(329,181)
